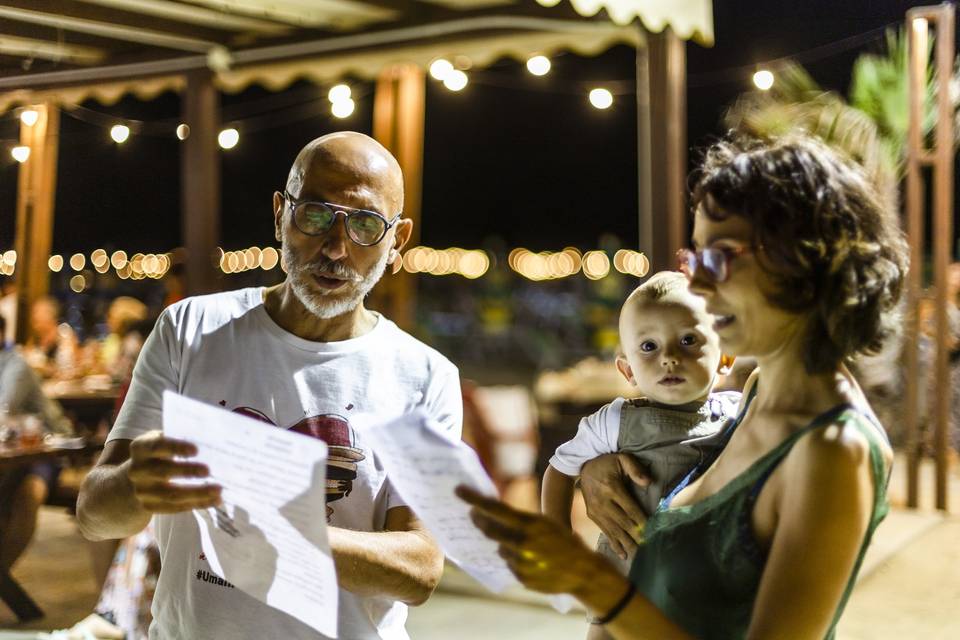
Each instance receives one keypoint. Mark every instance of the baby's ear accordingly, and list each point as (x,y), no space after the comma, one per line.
(625,370)
(726,364)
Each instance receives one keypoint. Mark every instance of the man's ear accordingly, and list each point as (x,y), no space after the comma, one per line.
(401,235)
(278,202)
(726,364)
(625,370)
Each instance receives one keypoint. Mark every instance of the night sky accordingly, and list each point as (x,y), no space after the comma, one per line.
(522,158)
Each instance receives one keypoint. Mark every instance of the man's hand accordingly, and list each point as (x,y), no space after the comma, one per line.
(156,463)
(609,501)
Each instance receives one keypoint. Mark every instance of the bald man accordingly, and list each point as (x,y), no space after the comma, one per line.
(303,355)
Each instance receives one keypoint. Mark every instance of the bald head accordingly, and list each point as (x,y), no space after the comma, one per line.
(348,162)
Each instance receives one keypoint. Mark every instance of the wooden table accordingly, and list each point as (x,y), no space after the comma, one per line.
(12,456)
(85,407)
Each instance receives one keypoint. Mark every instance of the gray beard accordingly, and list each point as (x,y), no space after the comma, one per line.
(329,305)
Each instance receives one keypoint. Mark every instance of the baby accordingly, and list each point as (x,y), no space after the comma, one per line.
(671,354)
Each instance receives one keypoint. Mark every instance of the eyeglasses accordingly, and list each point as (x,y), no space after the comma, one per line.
(714,261)
(363,227)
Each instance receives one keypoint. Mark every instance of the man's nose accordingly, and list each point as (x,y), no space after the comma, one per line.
(335,239)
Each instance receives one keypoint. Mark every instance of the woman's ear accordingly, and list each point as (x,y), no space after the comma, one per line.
(726,364)
(625,370)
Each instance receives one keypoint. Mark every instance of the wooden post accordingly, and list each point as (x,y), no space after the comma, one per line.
(36,190)
(941,160)
(943,240)
(917,70)
(398,124)
(200,174)
(668,146)
(645,215)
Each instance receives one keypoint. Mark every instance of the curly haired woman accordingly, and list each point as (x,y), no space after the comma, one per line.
(800,267)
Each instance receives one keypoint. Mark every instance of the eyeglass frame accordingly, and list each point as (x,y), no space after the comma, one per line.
(729,255)
(347,213)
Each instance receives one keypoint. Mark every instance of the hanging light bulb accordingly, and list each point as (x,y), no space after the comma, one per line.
(455,80)
(119,133)
(539,65)
(29,117)
(20,153)
(342,108)
(763,79)
(601,98)
(440,68)
(338,93)
(228,138)
(183,131)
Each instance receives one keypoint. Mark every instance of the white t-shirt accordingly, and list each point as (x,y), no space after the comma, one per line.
(224,349)
(599,433)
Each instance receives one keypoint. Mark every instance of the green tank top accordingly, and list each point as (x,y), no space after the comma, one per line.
(701,565)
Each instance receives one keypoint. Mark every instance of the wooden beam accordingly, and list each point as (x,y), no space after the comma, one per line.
(56,51)
(36,190)
(398,124)
(200,176)
(668,147)
(111,26)
(191,14)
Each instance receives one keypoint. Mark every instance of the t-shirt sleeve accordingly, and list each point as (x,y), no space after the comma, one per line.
(157,370)
(597,434)
(443,402)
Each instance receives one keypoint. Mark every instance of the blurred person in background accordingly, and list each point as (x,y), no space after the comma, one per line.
(8,309)
(51,348)
(23,406)
(119,350)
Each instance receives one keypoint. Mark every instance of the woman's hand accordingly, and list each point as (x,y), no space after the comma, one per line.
(610,504)
(545,556)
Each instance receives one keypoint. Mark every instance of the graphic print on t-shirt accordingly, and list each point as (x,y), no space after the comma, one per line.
(342,452)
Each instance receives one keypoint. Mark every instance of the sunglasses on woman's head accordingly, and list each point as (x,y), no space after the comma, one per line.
(714,262)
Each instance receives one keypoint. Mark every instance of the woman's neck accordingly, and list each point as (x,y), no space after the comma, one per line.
(787,388)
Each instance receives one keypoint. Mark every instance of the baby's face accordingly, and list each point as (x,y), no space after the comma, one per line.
(671,348)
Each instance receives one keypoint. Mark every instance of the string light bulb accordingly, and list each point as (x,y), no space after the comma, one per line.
(228,138)
(119,133)
(342,108)
(29,117)
(763,79)
(338,93)
(20,153)
(539,65)
(601,98)
(183,131)
(455,80)
(440,68)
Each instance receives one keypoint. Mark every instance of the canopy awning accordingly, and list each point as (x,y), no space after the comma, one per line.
(74,50)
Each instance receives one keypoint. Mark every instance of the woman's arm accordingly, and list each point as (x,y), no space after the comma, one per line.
(823,512)
(546,557)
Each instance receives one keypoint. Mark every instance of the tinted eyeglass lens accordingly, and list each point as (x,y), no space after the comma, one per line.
(365,228)
(313,217)
(715,262)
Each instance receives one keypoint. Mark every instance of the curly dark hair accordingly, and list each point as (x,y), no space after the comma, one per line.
(827,242)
